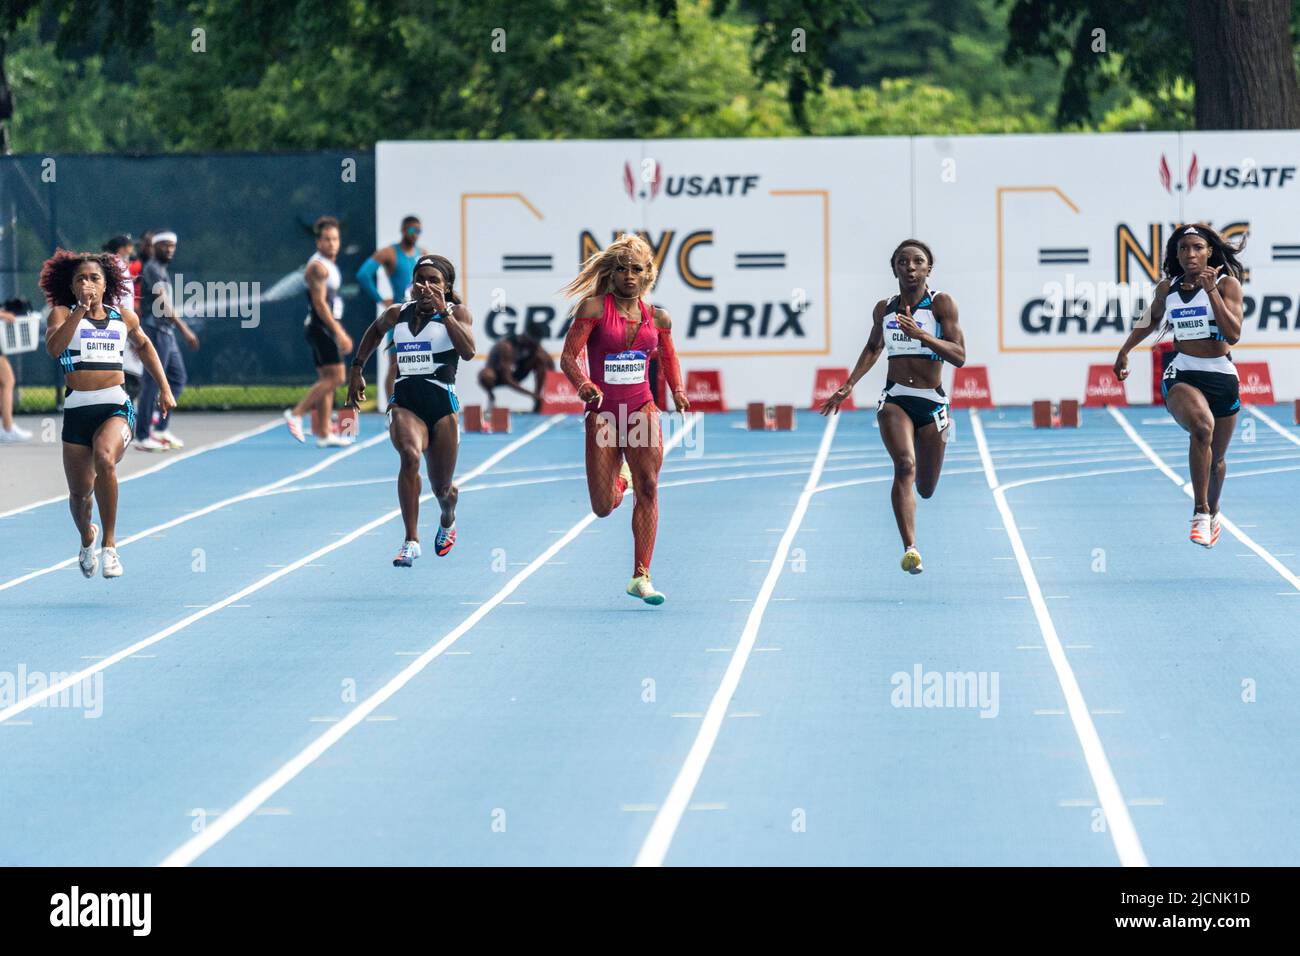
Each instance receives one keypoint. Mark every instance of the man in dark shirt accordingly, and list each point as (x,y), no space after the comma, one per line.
(160,320)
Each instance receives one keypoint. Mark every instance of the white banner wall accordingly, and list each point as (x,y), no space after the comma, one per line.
(772,253)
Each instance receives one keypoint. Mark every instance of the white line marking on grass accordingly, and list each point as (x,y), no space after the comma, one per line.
(191,515)
(1122,832)
(657,841)
(193,848)
(1234,530)
(167,463)
(72,680)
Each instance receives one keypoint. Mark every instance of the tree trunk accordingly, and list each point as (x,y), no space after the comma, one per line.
(1243,64)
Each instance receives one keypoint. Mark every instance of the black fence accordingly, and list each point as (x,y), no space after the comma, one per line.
(244,226)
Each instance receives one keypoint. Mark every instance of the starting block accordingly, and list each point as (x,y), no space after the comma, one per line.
(760,417)
(497,421)
(1062,414)
(1297,411)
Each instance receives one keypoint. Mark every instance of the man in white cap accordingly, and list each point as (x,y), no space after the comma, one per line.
(158,317)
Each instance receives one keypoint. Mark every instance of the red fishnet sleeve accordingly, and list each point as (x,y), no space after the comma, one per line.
(573,361)
(668,361)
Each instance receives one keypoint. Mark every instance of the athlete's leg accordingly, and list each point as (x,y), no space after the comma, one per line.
(441,456)
(541,365)
(1223,428)
(487,380)
(110,443)
(645,456)
(6,394)
(604,458)
(174,369)
(311,402)
(336,375)
(409,436)
(929,444)
(899,436)
(79,470)
(1192,411)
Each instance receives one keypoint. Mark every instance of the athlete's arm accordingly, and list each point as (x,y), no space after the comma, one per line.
(870,352)
(370,268)
(187,333)
(369,342)
(952,347)
(317,279)
(1225,300)
(60,326)
(503,353)
(1147,323)
(460,324)
(668,360)
(575,343)
(149,358)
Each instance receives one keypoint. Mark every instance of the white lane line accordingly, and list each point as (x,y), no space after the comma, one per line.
(191,515)
(1235,531)
(1266,419)
(167,463)
(31,700)
(666,821)
(193,848)
(1122,832)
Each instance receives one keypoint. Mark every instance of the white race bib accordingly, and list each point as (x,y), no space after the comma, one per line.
(625,368)
(897,342)
(98,345)
(414,358)
(1190,321)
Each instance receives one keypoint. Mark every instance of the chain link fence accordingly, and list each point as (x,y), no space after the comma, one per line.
(244,226)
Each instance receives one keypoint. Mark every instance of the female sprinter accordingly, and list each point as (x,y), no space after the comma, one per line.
(88,338)
(918,331)
(619,332)
(1201,297)
(432,333)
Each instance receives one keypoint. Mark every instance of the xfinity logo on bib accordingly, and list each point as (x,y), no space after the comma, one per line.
(102,909)
(647,184)
(1248,174)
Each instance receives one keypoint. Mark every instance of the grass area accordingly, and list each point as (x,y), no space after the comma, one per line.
(37,399)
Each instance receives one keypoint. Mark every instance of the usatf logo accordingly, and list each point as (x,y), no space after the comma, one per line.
(1248,174)
(651,178)
(1166,177)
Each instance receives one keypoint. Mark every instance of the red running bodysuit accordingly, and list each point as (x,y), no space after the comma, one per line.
(621,372)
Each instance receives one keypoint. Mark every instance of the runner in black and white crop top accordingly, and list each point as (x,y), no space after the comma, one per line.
(1201,302)
(88,337)
(431,334)
(917,330)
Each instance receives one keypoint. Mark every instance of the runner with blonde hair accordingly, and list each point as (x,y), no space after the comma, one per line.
(619,333)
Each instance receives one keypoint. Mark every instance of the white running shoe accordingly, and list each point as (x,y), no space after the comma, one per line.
(14,435)
(150,444)
(1202,530)
(410,550)
(332,441)
(86,556)
(1214,529)
(295,424)
(640,587)
(112,566)
(168,439)
(911,562)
